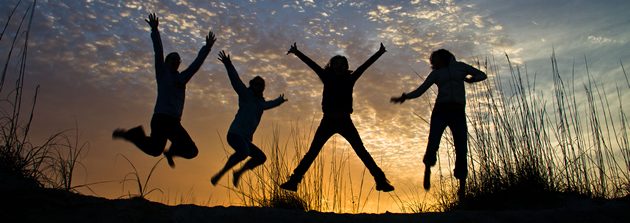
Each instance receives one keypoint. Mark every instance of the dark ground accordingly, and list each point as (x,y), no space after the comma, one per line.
(23,201)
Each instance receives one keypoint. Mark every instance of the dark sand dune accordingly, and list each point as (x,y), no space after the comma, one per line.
(24,202)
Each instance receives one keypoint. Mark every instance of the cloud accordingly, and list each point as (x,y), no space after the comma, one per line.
(604,40)
(106,46)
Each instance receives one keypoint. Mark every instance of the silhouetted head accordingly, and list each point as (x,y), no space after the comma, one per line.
(257,85)
(338,64)
(172,61)
(440,58)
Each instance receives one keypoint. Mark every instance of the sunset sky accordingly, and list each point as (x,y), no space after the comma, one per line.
(94,62)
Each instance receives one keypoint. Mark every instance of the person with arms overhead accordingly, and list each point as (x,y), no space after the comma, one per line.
(251,105)
(171,92)
(449,110)
(338,83)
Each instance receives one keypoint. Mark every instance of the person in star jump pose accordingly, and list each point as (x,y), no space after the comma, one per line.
(449,110)
(251,105)
(338,83)
(171,92)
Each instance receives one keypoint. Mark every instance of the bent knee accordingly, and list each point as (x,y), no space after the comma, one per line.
(191,151)
(238,156)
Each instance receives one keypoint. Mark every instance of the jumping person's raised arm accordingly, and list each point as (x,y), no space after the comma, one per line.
(236,81)
(318,70)
(274,103)
(359,71)
(201,56)
(154,21)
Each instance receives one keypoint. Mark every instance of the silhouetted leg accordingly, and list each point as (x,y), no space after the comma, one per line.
(323,133)
(438,124)
(181,143)
(325,130)
(241,151)
(460,137)
(350,133)
(258,158)
(439,121)
(153,145)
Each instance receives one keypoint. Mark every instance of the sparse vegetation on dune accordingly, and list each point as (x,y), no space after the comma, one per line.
(143,189)
(321,189)
(52,163)
(525,147)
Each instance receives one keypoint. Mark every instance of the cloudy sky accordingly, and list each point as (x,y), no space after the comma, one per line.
(94,62)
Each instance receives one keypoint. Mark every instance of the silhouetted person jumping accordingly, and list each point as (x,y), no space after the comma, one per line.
(251,105)
(449,110)
(166,120)
(337,106)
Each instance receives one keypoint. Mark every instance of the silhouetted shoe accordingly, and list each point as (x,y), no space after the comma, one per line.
(383,185)
(427,178)
(291,184)
(169,159)
(119,134)
(215,179)
(235,177)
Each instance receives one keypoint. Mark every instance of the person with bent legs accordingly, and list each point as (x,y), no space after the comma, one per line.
(251,105)
(171,92)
